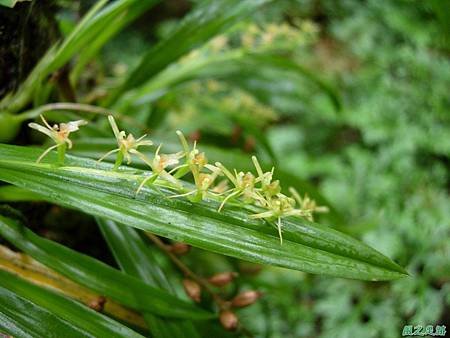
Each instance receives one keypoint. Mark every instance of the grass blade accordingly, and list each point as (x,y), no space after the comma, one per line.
(96,275)
(134,258)
(210,18)
(31,311)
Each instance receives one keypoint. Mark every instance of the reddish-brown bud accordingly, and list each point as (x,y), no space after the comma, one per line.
(229,320)
(246,298)
(195,136)
(249,145)
(192,289)
(222,279)
(98,303)
(179,248)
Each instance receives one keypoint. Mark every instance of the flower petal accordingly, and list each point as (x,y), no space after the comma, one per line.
(42,129)
(74,125)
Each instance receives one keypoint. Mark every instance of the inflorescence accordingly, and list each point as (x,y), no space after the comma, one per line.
(259,189)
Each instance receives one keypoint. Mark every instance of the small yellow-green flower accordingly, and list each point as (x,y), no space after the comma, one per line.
(127,145)
(244,184)
(159,165)
(59,134)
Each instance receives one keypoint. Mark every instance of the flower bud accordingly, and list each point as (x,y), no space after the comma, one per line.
(246,298)
(222,279)
(179,248)
(229,320)
(192,289)
(98,303)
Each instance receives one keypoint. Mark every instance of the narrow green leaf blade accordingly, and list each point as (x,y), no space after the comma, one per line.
(133,256)
(42,313)
(10,3)
(88,187)
(211,18)
(23,319)
(98,276)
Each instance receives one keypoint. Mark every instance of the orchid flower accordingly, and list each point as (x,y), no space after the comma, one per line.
(244,184)
(127,145)
(159,165)
(279,207)
(307,205)
(59,134)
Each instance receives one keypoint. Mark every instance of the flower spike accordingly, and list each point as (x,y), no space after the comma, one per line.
(59,134)
(259,189)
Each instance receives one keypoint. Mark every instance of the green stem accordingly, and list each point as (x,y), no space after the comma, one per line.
(61,153)
(119,160)
(197,197)
(77,107)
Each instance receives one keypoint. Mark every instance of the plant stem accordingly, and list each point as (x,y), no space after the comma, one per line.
(119,160)
(221,303)
(80,107)
(61,153)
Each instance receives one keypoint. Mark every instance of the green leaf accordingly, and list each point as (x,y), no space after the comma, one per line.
(11,193)
(27,310)
(85,185)
(209,19)
(10,3)
(134,257)
(258,61)
(129,12)
(98,276)
(92,32)
(225,66)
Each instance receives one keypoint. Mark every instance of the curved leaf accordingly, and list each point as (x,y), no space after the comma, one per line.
(101,22)
(27,310)
(87,186)
(96,275)
(133,256)
(209,19)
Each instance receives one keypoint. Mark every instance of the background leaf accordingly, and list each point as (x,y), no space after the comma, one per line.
(32,311)
(97,275)
(134,258)
(209,19)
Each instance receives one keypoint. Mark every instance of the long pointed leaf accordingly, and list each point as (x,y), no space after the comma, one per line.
(33,311)
(211,18)
(96,275)
(85,185)
(134,257)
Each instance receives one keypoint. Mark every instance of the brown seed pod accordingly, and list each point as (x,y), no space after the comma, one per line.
(98,303)
(229,320)
(193,289)
(179,248)
(246,298)
(222,279)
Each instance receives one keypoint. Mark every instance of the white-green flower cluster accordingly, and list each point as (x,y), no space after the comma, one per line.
(247,188)
(256,189)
